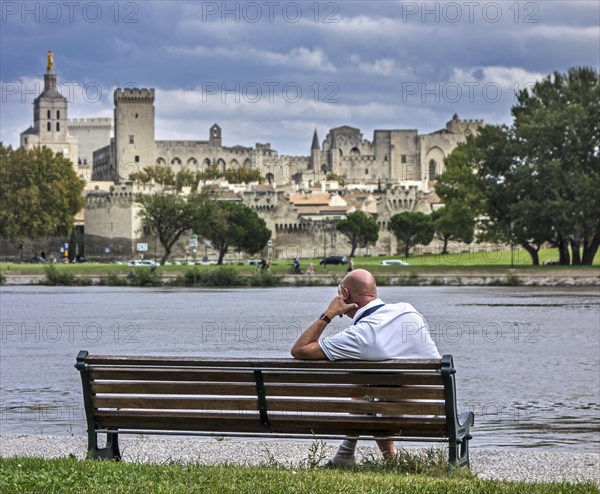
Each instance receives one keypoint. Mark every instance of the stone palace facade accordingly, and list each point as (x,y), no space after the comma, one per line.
(392,173)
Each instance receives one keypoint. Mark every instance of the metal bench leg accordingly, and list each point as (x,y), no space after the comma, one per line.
(109,452)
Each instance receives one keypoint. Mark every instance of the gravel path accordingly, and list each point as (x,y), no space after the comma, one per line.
(524,465)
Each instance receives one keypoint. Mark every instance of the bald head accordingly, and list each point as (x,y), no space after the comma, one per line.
(361,283)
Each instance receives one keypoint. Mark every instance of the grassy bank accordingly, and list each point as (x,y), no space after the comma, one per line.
(495,268)
(33,475)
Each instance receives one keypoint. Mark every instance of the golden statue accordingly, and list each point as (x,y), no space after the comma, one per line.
(50,61)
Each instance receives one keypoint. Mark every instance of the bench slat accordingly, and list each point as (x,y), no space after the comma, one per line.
(140,374)
(194,421)
(354,365)
(251,404)
(249,389)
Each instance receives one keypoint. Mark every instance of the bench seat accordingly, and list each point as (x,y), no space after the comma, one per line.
(273,398)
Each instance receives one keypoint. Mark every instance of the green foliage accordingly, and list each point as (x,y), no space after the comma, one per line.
(211,172)
(243,175)
(162,175)
(234,225)
(360,229)
(40,193)
(556,125)
(112,279)
(264,279)
(412,228)
(70,475)
(55,276)
(169,216)
(429,461)
(455,221)
(332,177)
(223,276)
(2,278)
(538,180)
(143,276)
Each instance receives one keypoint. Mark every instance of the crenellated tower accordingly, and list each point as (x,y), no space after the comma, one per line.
(134,130)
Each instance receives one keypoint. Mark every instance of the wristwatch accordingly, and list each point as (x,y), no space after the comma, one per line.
(325,317)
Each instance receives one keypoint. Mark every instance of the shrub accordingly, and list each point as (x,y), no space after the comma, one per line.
(265,279)
(144,277)
(223,276)
(112,279)
(56,276)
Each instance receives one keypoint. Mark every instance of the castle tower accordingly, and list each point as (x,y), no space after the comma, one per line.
(214,138)
(315,153)
(50,119)
(333,155)
(134,130)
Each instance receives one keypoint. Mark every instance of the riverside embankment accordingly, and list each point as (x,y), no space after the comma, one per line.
(543,276)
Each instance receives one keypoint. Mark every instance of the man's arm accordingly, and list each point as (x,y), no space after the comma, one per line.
(307,346)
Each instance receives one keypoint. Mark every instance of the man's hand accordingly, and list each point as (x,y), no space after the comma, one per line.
(307,346)
(338,306)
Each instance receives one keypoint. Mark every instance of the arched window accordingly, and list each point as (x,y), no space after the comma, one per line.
(221,164)
(49,115)
(354,152)
(432,170)
(161,162)
(192,162)
(58,114)
(57,126)
(175,161)
(49,126)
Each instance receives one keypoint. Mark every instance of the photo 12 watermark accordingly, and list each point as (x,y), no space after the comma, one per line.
(470,12)
(69,12)
(270,12)
(69,332)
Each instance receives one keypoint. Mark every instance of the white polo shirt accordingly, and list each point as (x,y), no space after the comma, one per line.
(393,331)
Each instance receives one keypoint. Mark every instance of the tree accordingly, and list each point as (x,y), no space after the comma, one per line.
(486,175)
(162,175)
(360,230)
(243,175)
(556,125)
(232,224)
(412,228)
(169,216)
(40,193)
(538,180)
(454,221)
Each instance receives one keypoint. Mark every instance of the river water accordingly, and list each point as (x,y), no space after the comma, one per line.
(527,358)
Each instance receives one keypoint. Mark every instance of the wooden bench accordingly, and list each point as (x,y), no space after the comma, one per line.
(410,400)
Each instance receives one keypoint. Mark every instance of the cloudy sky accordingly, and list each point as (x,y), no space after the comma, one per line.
(274,71)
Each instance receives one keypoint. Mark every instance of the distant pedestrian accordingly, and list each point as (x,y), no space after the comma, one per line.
(350,265)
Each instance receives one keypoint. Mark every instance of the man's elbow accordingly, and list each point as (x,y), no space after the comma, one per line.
(298,353)
(308,353)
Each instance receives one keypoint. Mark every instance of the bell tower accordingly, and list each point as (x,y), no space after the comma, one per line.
(50,119)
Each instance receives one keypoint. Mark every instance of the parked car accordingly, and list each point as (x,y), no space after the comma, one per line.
(394,262)
(334,260)
(252,262)
(552,263)
(142,262)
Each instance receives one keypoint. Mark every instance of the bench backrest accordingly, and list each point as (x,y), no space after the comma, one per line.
(269,396)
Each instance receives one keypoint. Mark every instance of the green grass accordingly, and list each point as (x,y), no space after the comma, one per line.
(471,261)
(65,475)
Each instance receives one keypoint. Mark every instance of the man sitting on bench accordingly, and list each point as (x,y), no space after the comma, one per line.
(379,332)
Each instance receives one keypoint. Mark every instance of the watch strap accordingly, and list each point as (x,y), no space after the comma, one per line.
(325,317)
